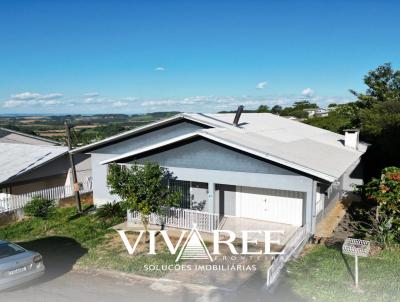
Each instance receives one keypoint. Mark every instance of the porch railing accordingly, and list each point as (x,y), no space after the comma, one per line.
(180,218)
(292,245)
(14,202)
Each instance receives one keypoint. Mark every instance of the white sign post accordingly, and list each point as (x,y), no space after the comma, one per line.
(356,248)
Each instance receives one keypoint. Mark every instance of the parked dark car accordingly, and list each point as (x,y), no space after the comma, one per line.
(18,265)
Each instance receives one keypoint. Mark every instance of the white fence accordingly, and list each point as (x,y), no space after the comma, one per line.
(15,202)
(180,218)
(290,248)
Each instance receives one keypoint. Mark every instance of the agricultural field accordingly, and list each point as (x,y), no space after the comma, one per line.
(86,128)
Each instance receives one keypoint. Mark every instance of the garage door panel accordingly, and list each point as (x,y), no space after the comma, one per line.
(257,204)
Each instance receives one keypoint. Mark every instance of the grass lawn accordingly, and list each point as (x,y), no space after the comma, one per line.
(322,275)
(98,245)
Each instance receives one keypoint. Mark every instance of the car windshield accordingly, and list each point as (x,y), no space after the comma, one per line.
(8,249)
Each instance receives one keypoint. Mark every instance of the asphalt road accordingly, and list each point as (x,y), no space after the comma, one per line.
(61,283)
(97,287)
(75,286)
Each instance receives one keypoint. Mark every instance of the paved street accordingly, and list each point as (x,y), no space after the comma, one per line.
(75,286)
(88,287)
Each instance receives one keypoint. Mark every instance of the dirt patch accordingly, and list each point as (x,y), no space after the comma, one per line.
(86,199)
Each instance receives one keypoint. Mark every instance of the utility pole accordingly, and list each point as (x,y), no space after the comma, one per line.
(73,171)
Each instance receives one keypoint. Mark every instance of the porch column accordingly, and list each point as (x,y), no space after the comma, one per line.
(313,208)
(310,208)
(211,199)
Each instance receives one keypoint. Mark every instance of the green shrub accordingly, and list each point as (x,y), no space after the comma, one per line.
(111,210)
(381,221)
(39,207)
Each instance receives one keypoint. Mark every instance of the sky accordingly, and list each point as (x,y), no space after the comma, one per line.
(129,57)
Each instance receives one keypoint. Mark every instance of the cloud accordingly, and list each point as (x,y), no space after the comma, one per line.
(129,99)
(12,103)
(119,104)
(91,94)
(93,100)
(33,99)
(261,85)
(25,96)
(308,92)
(192,100)
(159,68)
(95,103)
(160,103)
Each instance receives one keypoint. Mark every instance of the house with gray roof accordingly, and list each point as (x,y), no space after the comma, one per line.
(16,137)
(255,166)
(30,163)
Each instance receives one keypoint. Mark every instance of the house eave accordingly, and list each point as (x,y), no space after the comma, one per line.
(11,179)
(127,134)
(265,156)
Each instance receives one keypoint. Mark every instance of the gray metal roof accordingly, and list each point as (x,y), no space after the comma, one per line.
(199,118)
(16,137)
(313,150)
(17,159)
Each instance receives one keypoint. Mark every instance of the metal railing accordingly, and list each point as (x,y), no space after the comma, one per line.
(180,218)
(14,202)
(292,245)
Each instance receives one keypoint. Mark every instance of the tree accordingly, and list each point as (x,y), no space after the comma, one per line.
(142,188)
(304,105)
(378,117)
(383,85)
(277,109)
(344,116)
(297,110)
(262,109)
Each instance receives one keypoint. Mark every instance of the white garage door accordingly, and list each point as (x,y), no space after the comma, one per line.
(258,203)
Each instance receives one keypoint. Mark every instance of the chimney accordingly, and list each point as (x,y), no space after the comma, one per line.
(351,138)
(237,115)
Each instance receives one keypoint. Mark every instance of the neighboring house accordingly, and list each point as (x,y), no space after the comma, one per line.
(317,112)
(321,112)
(15,137)
(29,163)
(260,167)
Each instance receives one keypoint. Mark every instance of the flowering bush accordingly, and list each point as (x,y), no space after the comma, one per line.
(385,191)
(382,224)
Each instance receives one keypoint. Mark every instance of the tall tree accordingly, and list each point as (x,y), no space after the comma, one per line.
(262,109)
(383,85)
(277,109)
(378,116)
